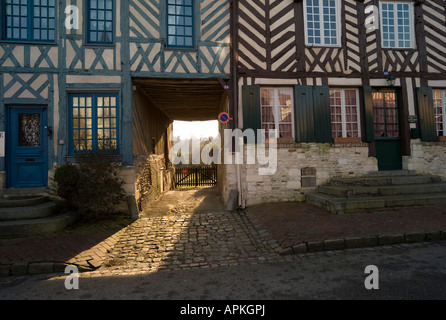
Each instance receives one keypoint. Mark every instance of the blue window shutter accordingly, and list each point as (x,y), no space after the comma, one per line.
(322,118)
(304,114)
(368,113)
(426,114)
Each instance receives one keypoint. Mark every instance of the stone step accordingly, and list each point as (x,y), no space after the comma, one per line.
(339,205)
(381,190)
(29,212)
(25,228)
(22,201)
(392,173)
(24,192)
(379,180)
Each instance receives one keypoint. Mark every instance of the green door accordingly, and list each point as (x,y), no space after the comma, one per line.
(387,129)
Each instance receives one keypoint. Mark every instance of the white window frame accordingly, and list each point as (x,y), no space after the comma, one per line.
(411,24)
(321,21)
(443,110)
(344,114)
(276,108)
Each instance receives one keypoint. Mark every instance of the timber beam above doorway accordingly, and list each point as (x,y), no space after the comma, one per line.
(185,99)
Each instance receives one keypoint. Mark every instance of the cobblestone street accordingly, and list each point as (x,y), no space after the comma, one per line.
(190,229)
(190,241)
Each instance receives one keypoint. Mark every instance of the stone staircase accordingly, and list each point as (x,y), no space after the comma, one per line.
(379,191)
(29,212)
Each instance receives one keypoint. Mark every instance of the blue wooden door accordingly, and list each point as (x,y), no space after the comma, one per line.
(27,147)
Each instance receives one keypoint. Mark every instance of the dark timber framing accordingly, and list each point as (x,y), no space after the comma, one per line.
(307,58)
(270,47)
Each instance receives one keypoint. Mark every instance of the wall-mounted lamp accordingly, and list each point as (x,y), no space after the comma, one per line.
(390,79)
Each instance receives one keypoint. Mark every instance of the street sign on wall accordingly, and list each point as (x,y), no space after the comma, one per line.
(223,117)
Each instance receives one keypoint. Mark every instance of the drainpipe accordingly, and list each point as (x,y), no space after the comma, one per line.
(239,188)
(234,75)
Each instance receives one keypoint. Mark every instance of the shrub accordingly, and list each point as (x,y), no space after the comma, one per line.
(100,189)
(66,178)
(92,184)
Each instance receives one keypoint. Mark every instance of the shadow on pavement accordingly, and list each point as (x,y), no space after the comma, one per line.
(84,243)
(190,229)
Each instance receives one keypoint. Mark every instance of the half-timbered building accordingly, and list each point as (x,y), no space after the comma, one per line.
(84,73)
(352,87)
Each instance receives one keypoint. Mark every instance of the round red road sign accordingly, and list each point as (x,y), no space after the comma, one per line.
(223,117)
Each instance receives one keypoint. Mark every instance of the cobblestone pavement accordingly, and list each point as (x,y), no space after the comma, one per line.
(191,241)
(84,244)
(191,230)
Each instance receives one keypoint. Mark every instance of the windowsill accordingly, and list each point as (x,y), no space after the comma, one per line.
(29,42)
(323,46)
(115,157)
(336,140)
(347,140)
(399,49)
(279,140)
(166,48)
(298,145)
(98,45)
(285,140)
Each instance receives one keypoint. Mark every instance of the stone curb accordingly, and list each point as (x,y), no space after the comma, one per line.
(363,242)
(35,268)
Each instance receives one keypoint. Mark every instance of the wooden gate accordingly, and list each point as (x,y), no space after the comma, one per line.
(195,176)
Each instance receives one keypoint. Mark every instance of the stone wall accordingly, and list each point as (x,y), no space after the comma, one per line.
(127,175)
(303,166)
(226,173)
(153,174)
(152,179)
(427,158)
(227,180)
